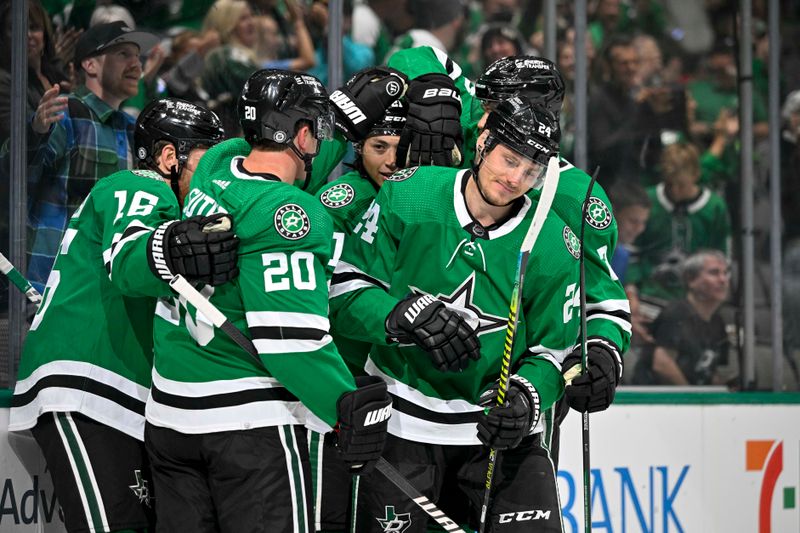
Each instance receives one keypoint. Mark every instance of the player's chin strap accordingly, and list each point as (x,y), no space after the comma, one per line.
(212,313)
(175,181)
(307,163)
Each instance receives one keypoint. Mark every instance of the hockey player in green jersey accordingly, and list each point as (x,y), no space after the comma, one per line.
(225,430)
(357,105)
(608,312)
(85,370)
(346,200)
(428,280)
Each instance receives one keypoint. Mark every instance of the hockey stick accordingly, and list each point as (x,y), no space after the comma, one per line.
(19,281)
(539,216)
(193,296)
(587,472)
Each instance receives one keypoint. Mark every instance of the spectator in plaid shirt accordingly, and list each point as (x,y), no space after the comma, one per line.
(77,139)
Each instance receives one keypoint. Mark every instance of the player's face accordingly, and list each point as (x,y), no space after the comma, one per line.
(378,155)
(120,70)
(505,175)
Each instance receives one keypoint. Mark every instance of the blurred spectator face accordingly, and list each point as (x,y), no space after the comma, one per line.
(117,70)
(624,66)
(378,156)
(651,62)
(35,40)
(566,60)
(269,37)
(631,222)
(499,47)
(680,170)
(722,69)
(712,282)
(500,10)
(245,30)
(608,12)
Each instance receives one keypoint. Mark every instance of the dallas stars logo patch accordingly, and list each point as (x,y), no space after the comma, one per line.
(292,222)
(461,301)
(572,242)
(394,523)
(402,174)
(140,489)
(598,215)
(338,196)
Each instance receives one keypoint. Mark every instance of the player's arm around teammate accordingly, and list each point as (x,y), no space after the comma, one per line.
(85,370)
(225,430)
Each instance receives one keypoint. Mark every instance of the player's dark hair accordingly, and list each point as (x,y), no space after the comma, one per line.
(628,194)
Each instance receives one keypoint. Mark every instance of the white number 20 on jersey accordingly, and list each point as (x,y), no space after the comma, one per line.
(277,276)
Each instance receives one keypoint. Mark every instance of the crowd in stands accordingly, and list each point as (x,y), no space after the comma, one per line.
(663,121)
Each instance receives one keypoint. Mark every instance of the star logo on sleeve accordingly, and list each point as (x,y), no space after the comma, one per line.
(292,222)
(461,301)
(598,215)
(338,196)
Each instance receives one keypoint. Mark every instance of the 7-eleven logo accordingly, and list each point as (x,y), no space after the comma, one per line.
(767,456)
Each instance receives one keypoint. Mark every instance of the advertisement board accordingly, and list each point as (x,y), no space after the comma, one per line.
(670,467)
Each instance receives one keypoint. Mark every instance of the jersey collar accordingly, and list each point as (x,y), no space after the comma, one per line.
(238,170)
(692,206)
(472,226)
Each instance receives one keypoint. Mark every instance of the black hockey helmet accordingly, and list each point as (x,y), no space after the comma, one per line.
(184,124)
(273,102)
(529,77)
(527,128)
(393,121)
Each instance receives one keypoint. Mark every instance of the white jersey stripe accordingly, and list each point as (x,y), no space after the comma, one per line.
(348,286)
(273,346)
(286,320)
(212,388)
(609,305)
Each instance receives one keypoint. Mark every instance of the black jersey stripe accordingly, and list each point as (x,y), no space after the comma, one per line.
(287,333)
(409,408)
(80,383)
(623,315)
(344,277)
(216,401)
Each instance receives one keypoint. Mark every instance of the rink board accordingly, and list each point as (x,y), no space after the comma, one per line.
(716,463)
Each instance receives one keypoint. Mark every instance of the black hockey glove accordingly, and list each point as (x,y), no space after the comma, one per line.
(201,249)
(443,333)
(432,134)
(363,419)
(504,427)
(593,391)
(364,99)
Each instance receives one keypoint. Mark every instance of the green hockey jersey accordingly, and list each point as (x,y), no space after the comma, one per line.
(346,200)
(415,62)
(90,345)
(418,236)
(674,231)
(203,382)
(608,318)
